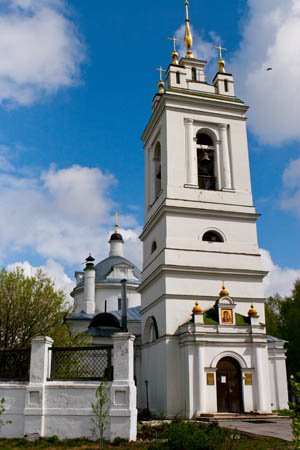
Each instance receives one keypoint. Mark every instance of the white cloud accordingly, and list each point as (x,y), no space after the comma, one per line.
(280,279)
(52,269)
(40,50)
(271,38)
(62,215)
(290,200)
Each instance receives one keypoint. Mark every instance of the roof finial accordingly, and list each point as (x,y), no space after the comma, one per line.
(188,38)
(175,52)
(161,84)
(223,292)
(221,60)
(117,225)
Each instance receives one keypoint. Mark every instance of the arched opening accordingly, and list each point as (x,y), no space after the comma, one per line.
(151,330)
(229,386)
(157,169)
(194,74)
(212,236)
(153,246)
(206,161)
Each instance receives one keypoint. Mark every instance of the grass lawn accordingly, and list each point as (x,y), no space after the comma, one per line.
(244,443)
(177,435)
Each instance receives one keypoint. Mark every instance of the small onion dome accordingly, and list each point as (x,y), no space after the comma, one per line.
(89,263)
(197,309)
(223,292)
(116,237)
(252,312)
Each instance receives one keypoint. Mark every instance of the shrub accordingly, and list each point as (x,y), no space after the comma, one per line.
(198,436)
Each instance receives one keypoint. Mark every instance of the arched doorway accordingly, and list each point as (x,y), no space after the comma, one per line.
(229,386)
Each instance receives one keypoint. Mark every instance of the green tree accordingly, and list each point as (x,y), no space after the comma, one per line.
(282,320)
(295,410)
(272,310)
(29,307)
(101,410)
(290,329)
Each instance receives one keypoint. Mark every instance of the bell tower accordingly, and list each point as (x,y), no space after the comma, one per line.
(200,221)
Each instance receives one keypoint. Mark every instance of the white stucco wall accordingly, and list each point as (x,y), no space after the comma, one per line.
(43,408)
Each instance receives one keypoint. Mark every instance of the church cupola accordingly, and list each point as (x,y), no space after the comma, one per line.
(223,81)
(116,241)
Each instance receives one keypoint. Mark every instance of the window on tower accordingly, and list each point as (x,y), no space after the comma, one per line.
(153,246)
(212,236)
(206,162)
(194,74)
(178,77)
(157,169)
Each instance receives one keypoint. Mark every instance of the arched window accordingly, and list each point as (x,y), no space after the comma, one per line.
(178,77)
(212,236)
(157,169)
(151,330)
(206,161)
(194,74)
(153,247)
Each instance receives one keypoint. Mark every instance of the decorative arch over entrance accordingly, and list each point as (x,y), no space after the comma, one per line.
(229,386)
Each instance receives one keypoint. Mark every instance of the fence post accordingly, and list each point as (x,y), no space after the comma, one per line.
(35,391)
(123,412)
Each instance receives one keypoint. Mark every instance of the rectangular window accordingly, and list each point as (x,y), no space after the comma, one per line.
(119,304)
(226,85)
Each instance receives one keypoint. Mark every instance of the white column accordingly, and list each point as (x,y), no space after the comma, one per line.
(202,381)
(218,166)
(188,375)
(191,177)
(35,392)
(260,391)
(123,412)
(225,157)
(89,291)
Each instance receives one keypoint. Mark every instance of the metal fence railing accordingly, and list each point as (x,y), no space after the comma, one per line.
(15,364)
(81,363)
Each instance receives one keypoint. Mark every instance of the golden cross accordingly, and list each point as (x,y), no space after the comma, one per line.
(174,39)
(161,70)
(220,49)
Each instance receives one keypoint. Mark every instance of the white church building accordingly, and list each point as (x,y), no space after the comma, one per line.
(199,350)
(186,335)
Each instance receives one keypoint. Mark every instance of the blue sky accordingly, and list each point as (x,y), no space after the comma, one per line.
(76,83)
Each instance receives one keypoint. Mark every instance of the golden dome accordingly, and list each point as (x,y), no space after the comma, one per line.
(161,85)
(223,292)
(197,309)
(252,312)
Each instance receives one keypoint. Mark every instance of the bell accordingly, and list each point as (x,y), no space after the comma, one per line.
(205,157)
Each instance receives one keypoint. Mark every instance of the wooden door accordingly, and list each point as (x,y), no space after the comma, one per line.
(229,386)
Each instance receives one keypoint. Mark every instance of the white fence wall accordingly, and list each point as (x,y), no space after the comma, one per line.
(47,408)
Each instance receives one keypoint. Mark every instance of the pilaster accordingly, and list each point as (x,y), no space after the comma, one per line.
(123,412)
(35,392)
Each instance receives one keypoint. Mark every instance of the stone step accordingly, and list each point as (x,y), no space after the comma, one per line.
(251,417)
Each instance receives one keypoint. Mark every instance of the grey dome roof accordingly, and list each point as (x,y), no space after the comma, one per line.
(103,268)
